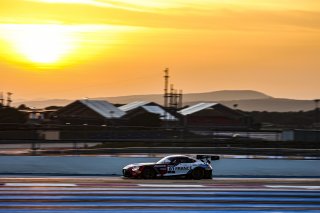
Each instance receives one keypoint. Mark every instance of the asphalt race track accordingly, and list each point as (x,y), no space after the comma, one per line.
(99,194)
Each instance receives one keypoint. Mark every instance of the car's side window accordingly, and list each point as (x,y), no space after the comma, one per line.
(187,160)
(179,160)
(176,161)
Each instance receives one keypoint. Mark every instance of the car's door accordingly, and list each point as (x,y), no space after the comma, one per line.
(171,167)
(184,166)
(179,166)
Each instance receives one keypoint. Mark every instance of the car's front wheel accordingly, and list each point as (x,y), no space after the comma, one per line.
(197,173)
(148,173)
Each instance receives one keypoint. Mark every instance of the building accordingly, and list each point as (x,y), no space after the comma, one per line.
(88,112)
(136,104)
(38,115)
(143,113)
(214,115)
(301,135)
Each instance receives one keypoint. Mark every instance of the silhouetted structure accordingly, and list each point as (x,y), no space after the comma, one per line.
(316,101)
(301,135)
(143,113)
(1,100)
(38,115)
(9,100)
(88,112)
(287,120)
(172,99)
(12,115)
(214,115)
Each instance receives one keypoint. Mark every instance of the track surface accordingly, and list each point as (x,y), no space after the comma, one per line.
(85,194)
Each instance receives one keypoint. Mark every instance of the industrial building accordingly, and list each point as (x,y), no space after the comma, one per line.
(150,114)
(144,113)
(88,112)
(214,115)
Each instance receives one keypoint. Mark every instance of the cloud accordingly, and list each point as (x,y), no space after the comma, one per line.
(138,5)
(175,14)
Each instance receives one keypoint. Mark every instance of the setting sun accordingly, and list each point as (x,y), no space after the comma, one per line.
(40,44)
(43,43)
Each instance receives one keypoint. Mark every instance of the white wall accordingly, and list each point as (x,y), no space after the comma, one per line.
(83,165)
(101,165)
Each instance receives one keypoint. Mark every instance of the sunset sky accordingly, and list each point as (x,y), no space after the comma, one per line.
(99,48)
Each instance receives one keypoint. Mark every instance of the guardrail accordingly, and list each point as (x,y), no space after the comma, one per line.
(204,146)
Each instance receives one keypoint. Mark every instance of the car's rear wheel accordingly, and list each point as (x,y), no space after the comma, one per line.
(148,173)
(197,173)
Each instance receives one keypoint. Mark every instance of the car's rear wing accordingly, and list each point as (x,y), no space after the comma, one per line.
(207,157)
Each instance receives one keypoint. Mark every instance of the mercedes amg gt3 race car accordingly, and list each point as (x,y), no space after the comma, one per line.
(173,166)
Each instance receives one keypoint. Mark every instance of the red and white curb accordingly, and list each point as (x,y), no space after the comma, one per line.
(171,185)
(40,185)
(292,187)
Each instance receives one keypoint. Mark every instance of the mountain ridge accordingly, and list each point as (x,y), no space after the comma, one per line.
(221,95)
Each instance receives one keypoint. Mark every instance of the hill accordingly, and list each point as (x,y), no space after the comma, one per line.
(270,105)
(43,103)
(224,95)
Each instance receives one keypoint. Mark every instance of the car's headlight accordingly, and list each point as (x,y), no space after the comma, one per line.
(208,167)
(135,168)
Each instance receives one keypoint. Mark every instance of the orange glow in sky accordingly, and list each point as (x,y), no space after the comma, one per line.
(45,46)
(100,48)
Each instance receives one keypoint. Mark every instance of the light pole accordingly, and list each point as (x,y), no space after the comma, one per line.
(235,106)
(316,101)
(111,124)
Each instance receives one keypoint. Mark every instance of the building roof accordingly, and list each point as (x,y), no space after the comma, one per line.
(196,108)
(103,108)
(160,111)
(133,105)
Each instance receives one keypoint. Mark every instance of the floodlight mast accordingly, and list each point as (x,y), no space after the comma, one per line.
(166,85)
(172,99)
(9,100)
(1,99)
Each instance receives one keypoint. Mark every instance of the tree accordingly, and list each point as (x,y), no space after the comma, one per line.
(12,115)
(53,107)
(23,107)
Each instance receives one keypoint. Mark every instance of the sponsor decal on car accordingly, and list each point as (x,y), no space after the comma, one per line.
(183,167)
(178,168)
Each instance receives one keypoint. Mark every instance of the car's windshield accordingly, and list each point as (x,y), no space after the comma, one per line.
(176,160)
(165,160)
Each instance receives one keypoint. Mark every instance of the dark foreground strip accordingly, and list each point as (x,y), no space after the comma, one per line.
(167,205)
(49,198)
(156,211)
(129,209)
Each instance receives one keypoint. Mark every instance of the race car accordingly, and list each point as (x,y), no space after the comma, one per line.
(173,166)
